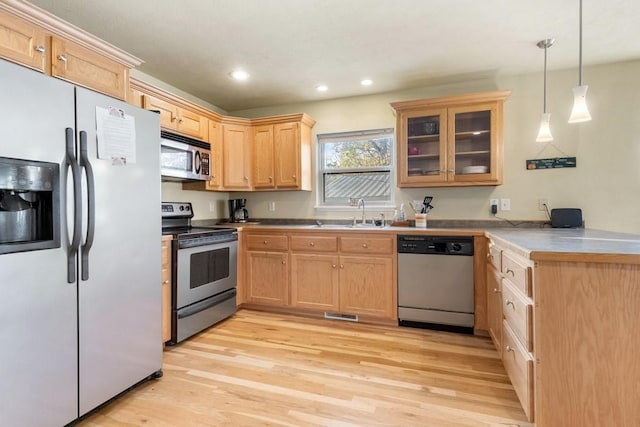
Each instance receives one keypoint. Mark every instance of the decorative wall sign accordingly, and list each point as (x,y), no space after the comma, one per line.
(555,163)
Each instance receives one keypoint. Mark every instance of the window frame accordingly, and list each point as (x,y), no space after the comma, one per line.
(321,171)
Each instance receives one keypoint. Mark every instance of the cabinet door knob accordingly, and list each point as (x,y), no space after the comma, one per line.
(39,49)
(333,266)
(496,291)
(509,302)
(508,348)
(341,265)
(165,282)
(312,243)
(246,178)
(270,179)
(451,170)
(284,262)
(265,242)
(62,58)
(293,176)
(364,245)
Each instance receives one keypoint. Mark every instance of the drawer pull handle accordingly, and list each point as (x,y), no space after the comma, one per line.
(508,348)
(39,49)
(509,302)
(364,245)
(62,58)
(511,272)
(312,243)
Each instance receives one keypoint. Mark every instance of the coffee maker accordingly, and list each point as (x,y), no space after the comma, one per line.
(237,210)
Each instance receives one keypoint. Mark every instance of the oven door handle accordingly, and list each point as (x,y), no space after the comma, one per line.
(203,305)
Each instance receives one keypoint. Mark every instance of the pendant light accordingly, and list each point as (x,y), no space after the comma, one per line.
(580,112)
(544,134)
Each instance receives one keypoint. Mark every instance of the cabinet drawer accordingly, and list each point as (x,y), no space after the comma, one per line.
(267,242)
(366,245)
(518,272)
(494,256)
(518,312)
(519,366)
(314,243)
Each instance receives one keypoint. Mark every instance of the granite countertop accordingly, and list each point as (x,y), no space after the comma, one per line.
(555,243)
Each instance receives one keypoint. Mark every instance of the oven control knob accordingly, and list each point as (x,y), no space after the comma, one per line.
(181,208)
(456,247)
(187,208)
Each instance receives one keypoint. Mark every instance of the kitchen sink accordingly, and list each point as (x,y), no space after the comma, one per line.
(343,226)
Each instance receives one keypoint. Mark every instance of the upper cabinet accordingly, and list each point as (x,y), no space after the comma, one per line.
(176,118)
(36,39)
(452,141)
(236,157)
(282,152)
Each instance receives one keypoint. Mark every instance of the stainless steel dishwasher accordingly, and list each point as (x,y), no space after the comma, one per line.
(435,282)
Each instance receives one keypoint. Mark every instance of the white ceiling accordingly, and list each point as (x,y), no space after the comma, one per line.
(291,46)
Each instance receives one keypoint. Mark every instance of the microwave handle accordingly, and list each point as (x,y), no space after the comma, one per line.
(197,162)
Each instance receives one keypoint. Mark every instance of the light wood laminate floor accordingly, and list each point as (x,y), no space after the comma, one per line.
(260,368)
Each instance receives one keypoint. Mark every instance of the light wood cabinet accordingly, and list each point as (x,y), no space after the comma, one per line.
(494,306)
(50,45)
(166,288)
(236,157)
(23,42)
(354,274)
(175,118)
(282,153)
(452,141)
(74,63)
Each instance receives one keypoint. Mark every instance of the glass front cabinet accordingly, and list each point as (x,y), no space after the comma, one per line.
(452,141)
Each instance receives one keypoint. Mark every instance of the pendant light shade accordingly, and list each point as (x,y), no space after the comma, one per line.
(544,134)
(580,111)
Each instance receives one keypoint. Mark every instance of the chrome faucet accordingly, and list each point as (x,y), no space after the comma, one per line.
(361,204)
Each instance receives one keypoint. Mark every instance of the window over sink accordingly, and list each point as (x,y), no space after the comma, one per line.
(354,165)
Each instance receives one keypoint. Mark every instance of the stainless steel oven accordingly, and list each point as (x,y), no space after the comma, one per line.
(204,266)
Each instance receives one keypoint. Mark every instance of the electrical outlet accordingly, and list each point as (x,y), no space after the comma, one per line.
(212,206)
(272,206)
(505,204)
(542,203)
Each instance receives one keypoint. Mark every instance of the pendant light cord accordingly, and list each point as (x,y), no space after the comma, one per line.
(544,94)
(580,47)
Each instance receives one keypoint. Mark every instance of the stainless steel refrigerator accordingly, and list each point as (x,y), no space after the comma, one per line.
(77,327)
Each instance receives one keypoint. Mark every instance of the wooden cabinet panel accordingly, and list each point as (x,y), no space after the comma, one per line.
(365,286)
(519,366)
(311,243)
(192,124)
(314,281)
(267,242)
(263,157)
(177,119)
(518,312)
(166,288)
(168,111)
(287,155)
(268,278)
(494,256)
(236,151)
(494,306)
(367,245)
(518,272)
(22,42)
(82,66)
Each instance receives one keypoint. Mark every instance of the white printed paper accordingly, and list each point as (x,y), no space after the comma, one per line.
(116,133)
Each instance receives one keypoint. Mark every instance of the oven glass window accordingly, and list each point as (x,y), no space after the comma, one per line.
(207,267)
(173,158)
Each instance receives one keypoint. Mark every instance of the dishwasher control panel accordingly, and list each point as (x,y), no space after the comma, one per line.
(438,245)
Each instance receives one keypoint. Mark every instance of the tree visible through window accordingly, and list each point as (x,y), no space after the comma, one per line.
(355,165)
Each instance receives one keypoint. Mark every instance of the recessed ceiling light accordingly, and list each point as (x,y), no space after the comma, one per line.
(239,75)
(366,82)
(322,88)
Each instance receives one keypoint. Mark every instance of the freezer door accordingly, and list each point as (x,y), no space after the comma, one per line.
(120,301)
(38,323)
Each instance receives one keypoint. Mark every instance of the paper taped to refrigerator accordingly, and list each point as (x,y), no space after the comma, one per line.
(116,133)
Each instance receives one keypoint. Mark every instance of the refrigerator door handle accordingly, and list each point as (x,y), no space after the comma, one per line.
(71,162)
(91,213)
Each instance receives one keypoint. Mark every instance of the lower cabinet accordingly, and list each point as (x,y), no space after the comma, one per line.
(166,288)
(352,274)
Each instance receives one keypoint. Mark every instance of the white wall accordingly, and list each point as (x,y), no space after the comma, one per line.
(605,184)
(206,204)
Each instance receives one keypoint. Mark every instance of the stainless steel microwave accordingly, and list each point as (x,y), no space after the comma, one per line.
(183,158)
